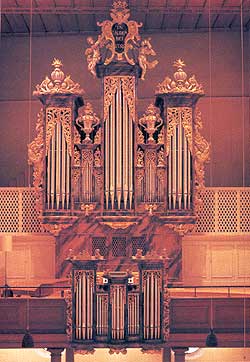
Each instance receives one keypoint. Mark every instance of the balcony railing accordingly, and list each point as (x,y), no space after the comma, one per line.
(224,210)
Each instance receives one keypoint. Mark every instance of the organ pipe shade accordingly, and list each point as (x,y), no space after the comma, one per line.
(119,146)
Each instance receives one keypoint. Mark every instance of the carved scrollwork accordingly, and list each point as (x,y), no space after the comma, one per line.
(128,87)
(77,155)
(139,136)
(110,87)
(173,120)
(186,121)
(68,299)
(139,158)
(35,157)
(63,116)
(200,157)
(97,158)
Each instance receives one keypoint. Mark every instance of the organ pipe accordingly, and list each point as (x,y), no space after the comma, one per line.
(152,305)
(119,183)
(84,305)
(179,163)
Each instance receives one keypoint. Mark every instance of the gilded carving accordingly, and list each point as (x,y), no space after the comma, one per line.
(77,137)
(110,87)
(128,87)
(98,137)
(77,161)
(181,229)
(58,115)
(173,117)
(139,158)
(97,158)
(36,157)
(139,136)
(87,208)
(89,350)
(180,84)
(93,54)
(120,41)
(186,121)
(150,208)
(58,83)
(161,158)
(87,121)
(55,229)
(151,121)
(200,157)
(145,50)
(161,136)
(117,350)
(68,300)
(76,175)
(139,175)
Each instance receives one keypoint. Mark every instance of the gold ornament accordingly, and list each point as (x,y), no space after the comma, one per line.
(58,84)
(87,121)
(180,84)
(145,50)
(151,121)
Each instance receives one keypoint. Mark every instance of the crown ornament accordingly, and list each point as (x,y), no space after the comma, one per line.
(58,83)
(181,83)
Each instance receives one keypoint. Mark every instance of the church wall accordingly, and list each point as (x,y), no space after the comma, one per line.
(31,261)
(222,117)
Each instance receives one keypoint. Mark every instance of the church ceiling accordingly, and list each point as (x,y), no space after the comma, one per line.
(81,16)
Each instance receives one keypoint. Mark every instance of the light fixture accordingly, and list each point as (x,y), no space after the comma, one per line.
(211,340)
(27,341)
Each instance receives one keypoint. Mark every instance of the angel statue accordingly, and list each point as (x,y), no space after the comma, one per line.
(145,50)
(93,54)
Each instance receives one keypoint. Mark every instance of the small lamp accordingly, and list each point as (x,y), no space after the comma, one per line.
(211,340)
(27,341)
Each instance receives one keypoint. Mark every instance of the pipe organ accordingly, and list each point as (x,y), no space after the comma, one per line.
(111,175)
(117,306)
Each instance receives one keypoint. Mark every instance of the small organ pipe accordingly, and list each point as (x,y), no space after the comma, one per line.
(130,150)
(58,164)
(112,154)
(125,153)
(185,171)
(107,164)
(179,164)
(53,150)
(63,171)
(170,175)
(174,169)
(48,177)
(118,145)
(189,180)
(67,178)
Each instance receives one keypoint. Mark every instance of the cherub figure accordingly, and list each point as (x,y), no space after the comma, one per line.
(145,50)
(93,54)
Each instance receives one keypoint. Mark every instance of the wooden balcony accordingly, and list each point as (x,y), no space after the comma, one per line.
(190,322)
